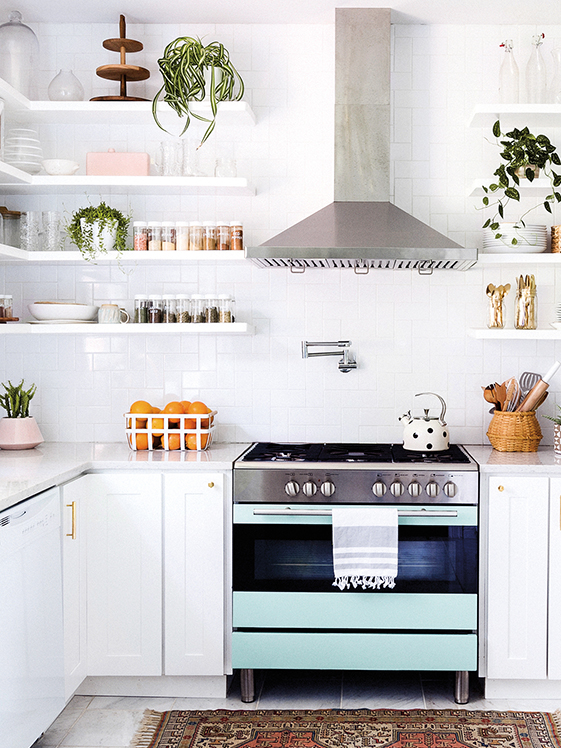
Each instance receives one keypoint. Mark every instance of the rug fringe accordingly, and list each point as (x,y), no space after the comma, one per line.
(147,729)
(557,718)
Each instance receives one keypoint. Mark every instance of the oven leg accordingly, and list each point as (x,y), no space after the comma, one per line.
(461,692)
(247,684)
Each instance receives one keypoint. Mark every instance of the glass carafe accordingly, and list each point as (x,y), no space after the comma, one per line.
(19,54)
(555,85)
(508,76)
(65,87)
(536,76)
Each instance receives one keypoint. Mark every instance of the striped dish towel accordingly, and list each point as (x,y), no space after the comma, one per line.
(364,547)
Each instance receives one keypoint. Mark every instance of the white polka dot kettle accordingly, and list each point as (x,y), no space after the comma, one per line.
(426,433)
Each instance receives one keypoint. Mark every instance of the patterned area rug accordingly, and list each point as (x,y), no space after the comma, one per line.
(338,728)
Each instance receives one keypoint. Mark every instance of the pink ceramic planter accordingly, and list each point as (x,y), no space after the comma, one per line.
(19,433)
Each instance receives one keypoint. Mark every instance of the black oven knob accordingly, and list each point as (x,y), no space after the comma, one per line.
(379,489)
(432,489)
(396,488)
(415,488)
(309,488)
(327,488)
(292,488)
(450,489)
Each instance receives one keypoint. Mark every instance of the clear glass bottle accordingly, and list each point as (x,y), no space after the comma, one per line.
(536,75)
(222,235)
(141,309)
(195,236)
(508,76)
(154,308)
(555,85)
(140,236)
(168,308)
(19,54)
(182,236)
(209,236)
(198,308)
(65,87)
(168,236)
(236,235)
(225,308)
(154,236)
(183,308)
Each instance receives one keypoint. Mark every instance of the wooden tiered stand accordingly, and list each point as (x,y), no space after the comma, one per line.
(122,71)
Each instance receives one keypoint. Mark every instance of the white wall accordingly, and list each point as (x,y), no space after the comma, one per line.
(408,332)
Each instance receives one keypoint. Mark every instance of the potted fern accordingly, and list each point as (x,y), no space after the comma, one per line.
(524,155)
(192,72)
(98,229)
(18,430)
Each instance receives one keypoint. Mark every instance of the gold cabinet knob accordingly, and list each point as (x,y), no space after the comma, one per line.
(501,488)
(211,485)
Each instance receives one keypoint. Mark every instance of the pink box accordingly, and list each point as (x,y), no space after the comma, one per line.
(115,164)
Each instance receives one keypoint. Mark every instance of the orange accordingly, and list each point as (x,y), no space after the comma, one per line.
(141,406)
(142,441)
(186,404)
(173,407)
(155,410)
(196,408)
(174,441)
(191,441)
(157,423)
(189,423)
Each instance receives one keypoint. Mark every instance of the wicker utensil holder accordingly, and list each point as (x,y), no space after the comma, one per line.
(514,432)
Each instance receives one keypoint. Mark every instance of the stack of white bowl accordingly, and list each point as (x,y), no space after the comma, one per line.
(22,149)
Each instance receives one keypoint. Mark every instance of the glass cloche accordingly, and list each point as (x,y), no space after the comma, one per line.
(19,54)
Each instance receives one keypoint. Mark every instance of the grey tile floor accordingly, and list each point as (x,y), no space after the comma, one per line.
(111,722)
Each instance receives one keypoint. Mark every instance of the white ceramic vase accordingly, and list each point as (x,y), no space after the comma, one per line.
(19,433)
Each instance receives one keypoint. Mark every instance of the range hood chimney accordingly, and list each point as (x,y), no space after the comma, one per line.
(361,229)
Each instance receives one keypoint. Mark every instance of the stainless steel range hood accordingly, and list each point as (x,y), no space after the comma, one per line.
(361,229)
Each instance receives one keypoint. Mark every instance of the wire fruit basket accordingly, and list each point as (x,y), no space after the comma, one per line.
(170,431)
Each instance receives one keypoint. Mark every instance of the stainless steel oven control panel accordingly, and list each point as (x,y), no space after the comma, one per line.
(332,485)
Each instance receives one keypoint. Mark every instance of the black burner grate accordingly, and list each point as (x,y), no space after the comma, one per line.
(351,453)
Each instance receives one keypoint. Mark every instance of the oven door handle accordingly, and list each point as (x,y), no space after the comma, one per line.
(327,512)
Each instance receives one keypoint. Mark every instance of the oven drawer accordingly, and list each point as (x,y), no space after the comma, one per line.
(349,651)
(354,610)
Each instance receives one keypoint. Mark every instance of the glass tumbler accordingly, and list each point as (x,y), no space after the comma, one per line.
(31,228)
(52,235)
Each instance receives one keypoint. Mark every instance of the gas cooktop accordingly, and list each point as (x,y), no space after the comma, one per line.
(272,452)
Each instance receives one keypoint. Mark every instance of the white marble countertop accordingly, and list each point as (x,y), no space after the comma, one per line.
(490,461)
(24,473)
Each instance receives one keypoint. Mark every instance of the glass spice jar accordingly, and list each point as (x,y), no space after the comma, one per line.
(182,236)
(140,235)
(168,308)
(141,309)
(154,308)
(154,236)
(198,308)
(183,308)
(168,236)
(209,236)
(195,236)
(211,308)
(11,225)
(236,235)
(225,308)
(222,235)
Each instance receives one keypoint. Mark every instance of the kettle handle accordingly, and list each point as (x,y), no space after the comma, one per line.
(443,411)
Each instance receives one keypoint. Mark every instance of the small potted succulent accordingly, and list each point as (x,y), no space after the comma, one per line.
(524,155)
(18,430)
(192,72)
(556,431)
(97,230)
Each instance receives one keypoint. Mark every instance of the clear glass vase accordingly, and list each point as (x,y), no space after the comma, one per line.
(536,74)
(555,85)
(508,76)
(19,55)
(65,87)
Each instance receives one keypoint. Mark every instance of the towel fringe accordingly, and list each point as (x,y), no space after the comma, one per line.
(150,722)
(374,583)
(557,718)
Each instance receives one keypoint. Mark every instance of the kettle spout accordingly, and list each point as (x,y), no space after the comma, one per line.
(405,418)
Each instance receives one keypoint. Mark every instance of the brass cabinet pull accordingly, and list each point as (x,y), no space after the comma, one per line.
(73,533)
(501,488)
(211,485)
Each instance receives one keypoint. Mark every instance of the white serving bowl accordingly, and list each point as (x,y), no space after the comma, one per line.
(60,166)
(62,311)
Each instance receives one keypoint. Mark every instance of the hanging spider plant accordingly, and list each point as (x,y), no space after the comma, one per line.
(183,67)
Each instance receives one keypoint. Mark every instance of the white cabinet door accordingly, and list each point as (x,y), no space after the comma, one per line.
(124,574)
(74,583)
(554,622)
(194,542)
(517,577)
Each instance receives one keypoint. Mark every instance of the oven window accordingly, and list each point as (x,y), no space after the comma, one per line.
(298,558)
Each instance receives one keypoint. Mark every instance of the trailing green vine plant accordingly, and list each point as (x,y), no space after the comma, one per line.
(522,151)
(91,244)
(183,66)
(16,400)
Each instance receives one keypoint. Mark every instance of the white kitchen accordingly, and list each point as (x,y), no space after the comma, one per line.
(145,584)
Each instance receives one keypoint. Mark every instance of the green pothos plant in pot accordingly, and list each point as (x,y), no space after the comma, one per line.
(98,229)
(18,430)
(524,155)
(192,71)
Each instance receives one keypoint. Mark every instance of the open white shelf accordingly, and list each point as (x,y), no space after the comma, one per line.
(486,334)
(545,115)
(14,254)
(206,328)
(540,186)
(519,258)
(22,110)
